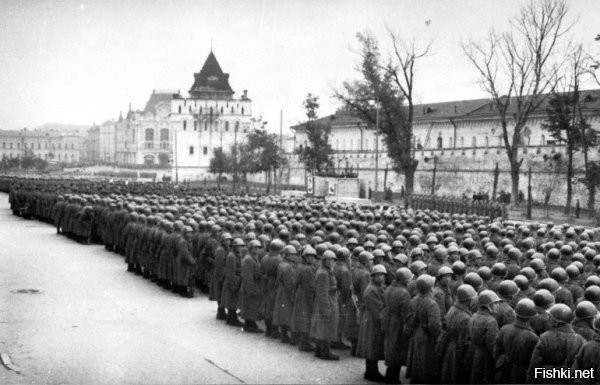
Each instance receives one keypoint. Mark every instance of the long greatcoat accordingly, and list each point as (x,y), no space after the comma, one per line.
(483,330)
(217,273)
(587,358)
(268,266)
(250,291)
(284,294)
(325,316)
(343,277)
(424,325)
(556,348)
(512,352)
(370,335)
(231,281)
(184,262)
(303,299)
(453,345)
(360,280)
(397,302)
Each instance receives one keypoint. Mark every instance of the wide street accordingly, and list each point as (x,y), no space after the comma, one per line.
(71,314)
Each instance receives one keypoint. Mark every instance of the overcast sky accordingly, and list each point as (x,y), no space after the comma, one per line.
(84,61)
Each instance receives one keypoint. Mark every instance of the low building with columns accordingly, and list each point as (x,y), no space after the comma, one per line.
(52,146)
(465,137)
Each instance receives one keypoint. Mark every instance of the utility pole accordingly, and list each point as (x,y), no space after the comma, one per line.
(434,174)
(529,196)
(376,144)
(496,174)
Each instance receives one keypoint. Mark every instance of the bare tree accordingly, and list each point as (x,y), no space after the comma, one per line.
(390,83)
(518,67)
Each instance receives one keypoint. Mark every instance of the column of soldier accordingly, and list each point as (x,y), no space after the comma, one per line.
(453,205)
(455,298)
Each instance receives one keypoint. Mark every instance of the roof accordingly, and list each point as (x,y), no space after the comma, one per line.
(156,98)
(210,80)
(459,109)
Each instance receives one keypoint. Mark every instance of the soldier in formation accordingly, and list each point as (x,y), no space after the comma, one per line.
(452,293)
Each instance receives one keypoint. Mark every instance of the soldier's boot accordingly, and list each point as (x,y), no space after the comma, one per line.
(251,327)
(268,327)
(392,375)
(285,338)
(326,352)
(137,269)
(146,274)
(232,318)
(274,331)
(221,315)
(188,291)
(354,343)
(305,345)
(372,372)
(130,267)
(294,339)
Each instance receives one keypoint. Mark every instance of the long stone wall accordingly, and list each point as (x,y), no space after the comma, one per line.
(462,170)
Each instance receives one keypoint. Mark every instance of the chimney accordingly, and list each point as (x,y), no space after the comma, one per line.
(245,94)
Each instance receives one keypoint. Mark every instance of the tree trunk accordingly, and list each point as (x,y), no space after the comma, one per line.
(409,180)
(591,203)
(515,168)
(569,180)
(268,181)
(219,180)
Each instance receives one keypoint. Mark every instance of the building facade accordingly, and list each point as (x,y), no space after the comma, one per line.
(51,146)
(464,138)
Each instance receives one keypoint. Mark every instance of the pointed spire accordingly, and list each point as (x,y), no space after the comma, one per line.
(120,116)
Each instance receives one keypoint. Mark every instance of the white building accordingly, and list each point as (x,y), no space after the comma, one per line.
(208,119)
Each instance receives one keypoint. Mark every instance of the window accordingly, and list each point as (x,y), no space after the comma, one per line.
(195,125)
(237,125)
(221,110)
(164,135)
(184,125)
(232,109)
(226,126)
(191,150)
(149,136)
(179,109)
(242,110)
(440,142)
(190,108)
(367,144)
(205,150)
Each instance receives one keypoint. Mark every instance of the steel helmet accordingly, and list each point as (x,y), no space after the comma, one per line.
(417,266)
(474,280)
(499,269)
(525,308)
(424,283)
(465,293)
(378,269)
(308,250)
(549,284)
(487,297)
(459,268)
(402,258)
(508,288)
(521,281)
(561,313)
(592,294)
(238,242)
(404,274)
(537,264)
(559,274)
(543,298)
(444,270)
(585,309)
(254,243)
(328,254)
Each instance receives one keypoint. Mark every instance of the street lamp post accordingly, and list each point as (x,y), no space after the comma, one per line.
(376,144)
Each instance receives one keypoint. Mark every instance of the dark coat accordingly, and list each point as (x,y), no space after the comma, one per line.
(231,281)
(343,277)
(250,291)
(584,329)
(304,299)
(424,325)
(397,302)
(284,294)
(217,273)
(325,316)
(556,348)
(184,262)
(505,314)
(541,322)
(268,267)
(453,345)
(443,297)
(483,330)
(588,358)
(360,280)
(370,335)
(514,346)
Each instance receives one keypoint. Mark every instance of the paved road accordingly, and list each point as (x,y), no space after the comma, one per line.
(71,314)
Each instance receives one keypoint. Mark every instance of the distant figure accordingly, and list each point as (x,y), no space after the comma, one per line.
(402,192)
(577,209)
(521,196)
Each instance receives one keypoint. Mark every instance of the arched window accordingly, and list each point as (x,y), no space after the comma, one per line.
(237,125)
(164,139)
(191,150)
(179,109)
(440,142)
(195,125)
(184,125)
(242,110)
(232,109)
(206,125)
(474,142)
(227,126)
(221,110)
